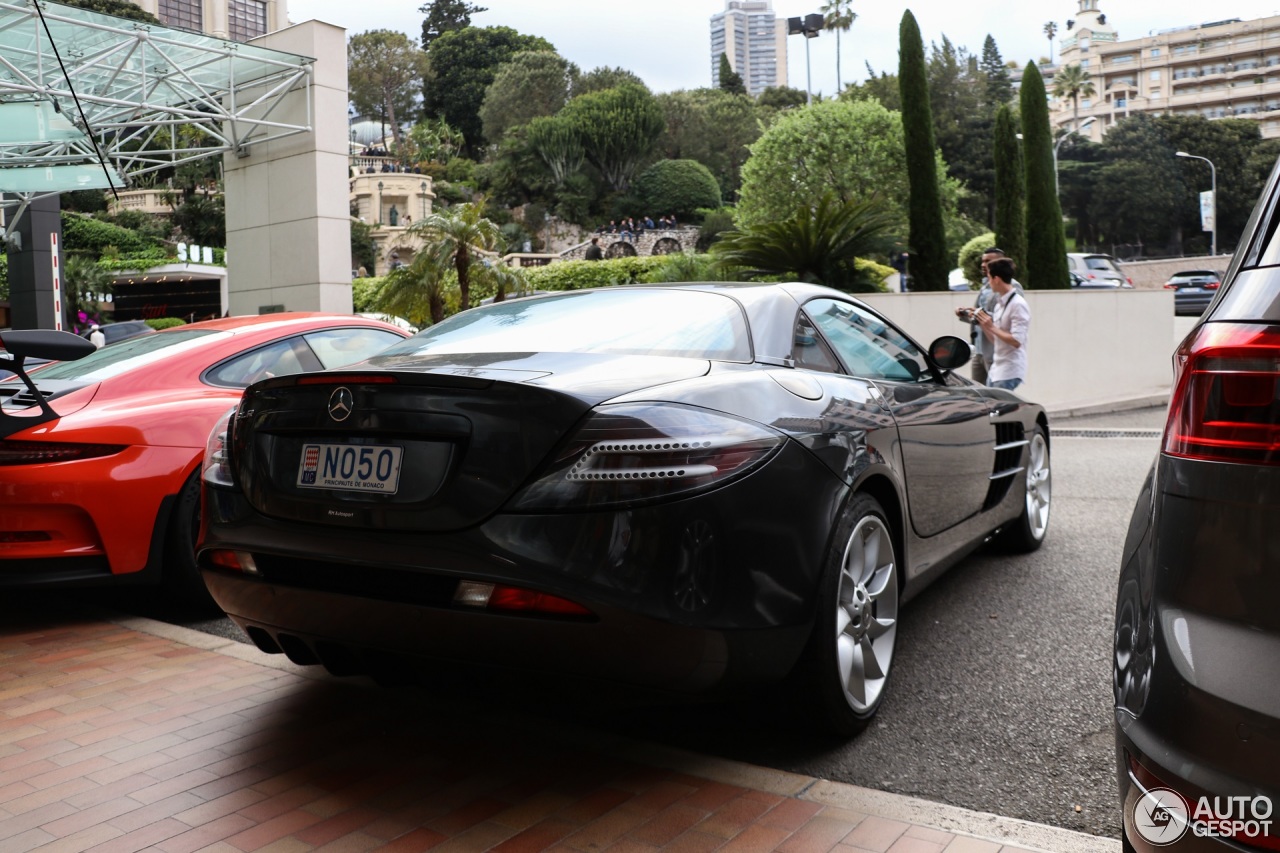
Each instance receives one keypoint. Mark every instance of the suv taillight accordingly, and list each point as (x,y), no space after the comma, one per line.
(1225,405)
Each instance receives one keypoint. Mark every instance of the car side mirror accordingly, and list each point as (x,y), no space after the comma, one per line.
(950,352)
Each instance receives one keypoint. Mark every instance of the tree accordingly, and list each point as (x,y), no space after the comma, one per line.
(529,85)
(462,64)
(714,128)
(730,80)
(618,128)
(782,98)
(1050,30)
(677,187)
(999,86)
(384,72)
(364,251)
(816,243)
(1075,83)
(557,142)
(1011,223)
(84,286)
(456,235)
(1046,260)
(838,15)
(444,16)
(853,149)
(927,241)
(416,291)
(119,8)
(599,79)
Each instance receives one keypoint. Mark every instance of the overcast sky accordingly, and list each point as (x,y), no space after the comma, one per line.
(667,42)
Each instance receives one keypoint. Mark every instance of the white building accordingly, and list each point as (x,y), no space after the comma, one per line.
(754,39)
(238,20)
(1223,69)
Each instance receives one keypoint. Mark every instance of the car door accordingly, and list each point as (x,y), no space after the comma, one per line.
(945,433)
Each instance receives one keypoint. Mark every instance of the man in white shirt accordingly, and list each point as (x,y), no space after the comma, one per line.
(1008,327)
(96,337)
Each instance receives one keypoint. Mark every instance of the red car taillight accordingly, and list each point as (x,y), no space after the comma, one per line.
(1170,286)
(1225,405)
(1213,285)
(43,452)
(514,599)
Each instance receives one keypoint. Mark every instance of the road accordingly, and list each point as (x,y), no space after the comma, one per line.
(1000,698)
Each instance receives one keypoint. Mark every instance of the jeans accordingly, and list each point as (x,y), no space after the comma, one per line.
(1006,384)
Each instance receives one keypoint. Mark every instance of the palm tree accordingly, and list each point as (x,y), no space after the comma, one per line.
(406,289)
(1050,30)
(1075,83)
(84,284)
(817,244)
(456,234)
(838,15)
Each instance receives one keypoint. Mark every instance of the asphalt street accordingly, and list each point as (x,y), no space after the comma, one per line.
(1000,699)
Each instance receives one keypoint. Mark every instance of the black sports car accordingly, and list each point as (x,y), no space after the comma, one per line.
(684,486)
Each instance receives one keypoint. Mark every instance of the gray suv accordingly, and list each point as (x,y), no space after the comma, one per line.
(1196,665)
(1097,269)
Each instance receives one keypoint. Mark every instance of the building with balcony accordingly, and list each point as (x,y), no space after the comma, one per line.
(754,39)
(390,201)
(1222,69)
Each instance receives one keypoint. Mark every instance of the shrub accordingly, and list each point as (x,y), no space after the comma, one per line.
(870,277)
(970,257)
(165,322)
(363,291)
(714,222)
(87,236)
(677,187)
(578,275)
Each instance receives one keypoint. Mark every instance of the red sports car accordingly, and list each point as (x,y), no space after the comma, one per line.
(100,479)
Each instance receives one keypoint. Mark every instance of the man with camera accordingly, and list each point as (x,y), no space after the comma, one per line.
(983,347)
(1007,327)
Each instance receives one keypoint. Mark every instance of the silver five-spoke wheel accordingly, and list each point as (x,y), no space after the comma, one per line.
(1039,486)
(866,614)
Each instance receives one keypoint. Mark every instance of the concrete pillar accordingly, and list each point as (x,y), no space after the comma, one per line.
(32,300)
(288,219)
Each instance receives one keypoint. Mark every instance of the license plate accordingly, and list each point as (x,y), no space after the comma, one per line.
(351,467)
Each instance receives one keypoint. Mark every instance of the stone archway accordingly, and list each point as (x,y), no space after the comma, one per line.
(621,249)
(666,246)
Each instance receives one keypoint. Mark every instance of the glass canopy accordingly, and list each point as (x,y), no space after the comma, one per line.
(149,97)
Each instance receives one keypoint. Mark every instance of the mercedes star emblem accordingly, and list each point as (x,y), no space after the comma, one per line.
(341,403)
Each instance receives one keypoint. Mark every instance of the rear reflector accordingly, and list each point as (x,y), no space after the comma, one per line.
(14,537)
(347,379)
(238,561)
(41,452)
(1226,399)
(512,599)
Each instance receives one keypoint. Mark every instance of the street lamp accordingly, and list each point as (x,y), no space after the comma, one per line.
(1061,139)
(1213,199)
(808,26)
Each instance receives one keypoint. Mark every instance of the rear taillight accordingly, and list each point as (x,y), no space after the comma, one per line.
(1213,285)
(1126,278)
(1171,287)
(1225,405)
(44,452)
(216,467)
(641,452)
(514,599)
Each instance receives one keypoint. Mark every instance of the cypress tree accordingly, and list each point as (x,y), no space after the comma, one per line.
(730,80)
(927,241)
(1046,261)
(1011,221)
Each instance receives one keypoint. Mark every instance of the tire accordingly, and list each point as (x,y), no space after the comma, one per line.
(1027,532)
(850,654)
(179,576)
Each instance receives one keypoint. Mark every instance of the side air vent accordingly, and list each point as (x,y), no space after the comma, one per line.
(1010,441)
(24,399)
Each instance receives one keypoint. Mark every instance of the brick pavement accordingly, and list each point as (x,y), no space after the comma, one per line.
(116,737)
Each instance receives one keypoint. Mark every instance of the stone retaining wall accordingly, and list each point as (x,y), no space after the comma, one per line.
(660,241)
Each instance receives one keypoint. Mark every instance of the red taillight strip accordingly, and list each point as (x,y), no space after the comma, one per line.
(514,599)
(338,379)
(1148,781)
(44,452)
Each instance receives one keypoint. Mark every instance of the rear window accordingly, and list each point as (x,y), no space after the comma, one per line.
(682,323)
(127,355)
(1100,262)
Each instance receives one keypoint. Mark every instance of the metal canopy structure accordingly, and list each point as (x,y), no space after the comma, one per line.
(140,96)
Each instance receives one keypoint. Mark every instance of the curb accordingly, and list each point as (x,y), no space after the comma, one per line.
(980,826)
(1109,406)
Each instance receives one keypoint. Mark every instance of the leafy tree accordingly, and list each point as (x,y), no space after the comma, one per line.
(712,127)
(557,141)
(430,141)
(462,65)
(838,15)
(1011,223)
(364,251)
(83,285)
(851,148)
(599,79)
(203,218)
(928,239)
(1228,144)
(618,128)
(882,87)
(119,8)
(677,187)
(444,16)
(816,243)
(530,85)
(1046,260)
(384,72)
(457,235)
(1075,83)
(999,86)
(730,80)
(417,290)
(782,98)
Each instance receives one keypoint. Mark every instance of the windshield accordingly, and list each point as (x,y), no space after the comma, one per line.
(684,323)
(127,355)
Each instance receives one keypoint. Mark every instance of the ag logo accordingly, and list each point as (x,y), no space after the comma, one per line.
(1161,816)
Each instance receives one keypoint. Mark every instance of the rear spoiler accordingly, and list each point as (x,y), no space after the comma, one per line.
(15,348)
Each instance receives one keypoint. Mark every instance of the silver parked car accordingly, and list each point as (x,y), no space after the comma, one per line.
(1097,269)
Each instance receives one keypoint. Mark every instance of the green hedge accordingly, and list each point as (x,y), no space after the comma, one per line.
(578,275)
(165,322)
(87,236)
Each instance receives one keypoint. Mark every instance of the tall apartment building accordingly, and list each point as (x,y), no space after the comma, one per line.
(238,20)
(754,39)
(1224,69)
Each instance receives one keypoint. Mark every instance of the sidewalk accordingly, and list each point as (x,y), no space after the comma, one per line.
(122,734)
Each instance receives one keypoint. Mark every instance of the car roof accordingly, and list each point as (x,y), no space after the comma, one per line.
(283,321)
